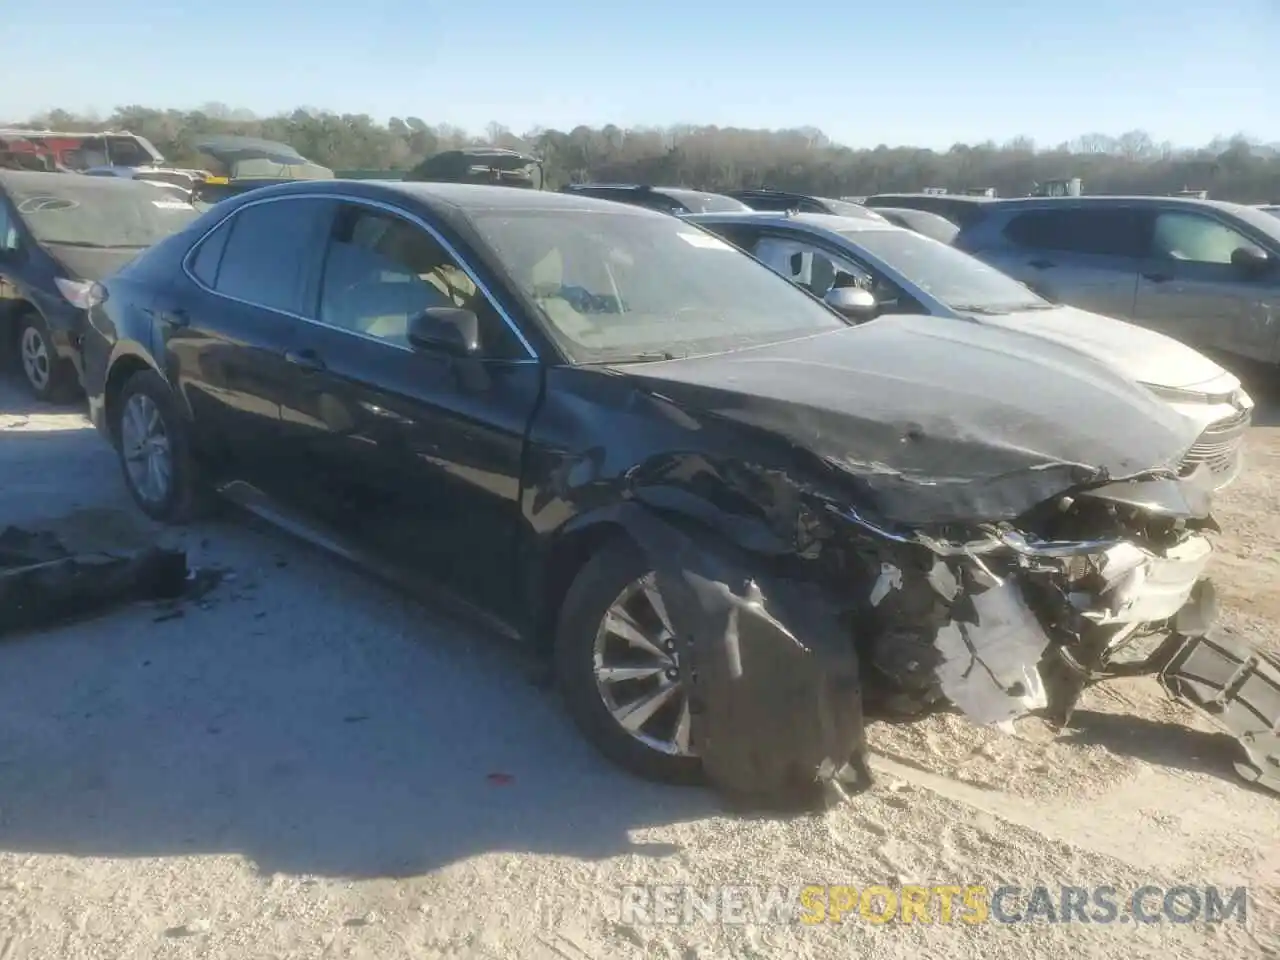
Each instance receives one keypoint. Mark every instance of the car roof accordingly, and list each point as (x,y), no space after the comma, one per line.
(811,221)
(1099,200)
(962,197)
(455,197)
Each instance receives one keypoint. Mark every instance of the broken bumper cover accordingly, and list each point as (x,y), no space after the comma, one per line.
(1024,625)
(1238,688)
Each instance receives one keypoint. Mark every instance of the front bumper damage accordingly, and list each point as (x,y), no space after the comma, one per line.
(781,655)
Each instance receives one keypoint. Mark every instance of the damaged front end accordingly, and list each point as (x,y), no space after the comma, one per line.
(1013,618)
(784,654)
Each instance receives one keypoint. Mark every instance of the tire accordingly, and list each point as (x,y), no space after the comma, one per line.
(48,377)
(185,498)
(600,582)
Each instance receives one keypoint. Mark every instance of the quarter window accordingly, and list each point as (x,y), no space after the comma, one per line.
(8,229)
(264,255)
(209,254)
(1115,232)
(381,270)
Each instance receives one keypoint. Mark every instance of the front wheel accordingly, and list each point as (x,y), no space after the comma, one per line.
(49,377)
(155,455)
(618,668)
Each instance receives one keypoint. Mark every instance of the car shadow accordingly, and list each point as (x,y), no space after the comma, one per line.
(1158,742)
(302,714)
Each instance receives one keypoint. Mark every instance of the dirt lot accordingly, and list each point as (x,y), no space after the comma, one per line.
(304,766)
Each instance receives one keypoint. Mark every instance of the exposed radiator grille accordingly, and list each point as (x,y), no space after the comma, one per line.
(1219,445)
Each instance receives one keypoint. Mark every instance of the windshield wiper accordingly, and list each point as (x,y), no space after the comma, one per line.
(96,246)
(654,357)
(986,311)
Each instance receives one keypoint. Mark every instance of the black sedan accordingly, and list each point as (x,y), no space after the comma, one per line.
(559,409)
(59,234)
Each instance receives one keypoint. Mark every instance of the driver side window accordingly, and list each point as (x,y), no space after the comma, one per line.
(1193,238)
(380,270)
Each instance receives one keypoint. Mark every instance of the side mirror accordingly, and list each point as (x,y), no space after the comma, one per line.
(450,330)
(853,302)
(1251,260)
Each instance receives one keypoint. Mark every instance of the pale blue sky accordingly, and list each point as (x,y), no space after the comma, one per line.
(927,72)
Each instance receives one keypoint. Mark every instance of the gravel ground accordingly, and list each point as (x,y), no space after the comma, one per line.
(307,764)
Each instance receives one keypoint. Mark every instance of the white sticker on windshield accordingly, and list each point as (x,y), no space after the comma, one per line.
(704,241)
(171,204)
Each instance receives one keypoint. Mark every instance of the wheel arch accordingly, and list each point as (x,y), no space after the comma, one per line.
(586,534)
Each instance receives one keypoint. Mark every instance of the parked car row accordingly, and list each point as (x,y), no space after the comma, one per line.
(508,394)
(60,234)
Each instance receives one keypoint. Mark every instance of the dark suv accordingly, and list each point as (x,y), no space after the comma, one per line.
(666,199)
(1203,271)
(780,201)
(961,209)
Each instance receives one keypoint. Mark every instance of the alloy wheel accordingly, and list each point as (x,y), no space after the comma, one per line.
(35,358)
(144,444)
(637,670)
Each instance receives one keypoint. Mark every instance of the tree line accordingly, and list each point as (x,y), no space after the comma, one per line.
(725,158)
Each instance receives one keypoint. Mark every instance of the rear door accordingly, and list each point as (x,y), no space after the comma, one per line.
(412,453)
(1085,256)
(229,329)
(1189,288)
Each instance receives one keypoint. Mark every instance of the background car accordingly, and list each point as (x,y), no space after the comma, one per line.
(677,200)
(921,221)
(959,208)
(59,233)
(909,273)
(781,201)
(1203,271)
(472,388)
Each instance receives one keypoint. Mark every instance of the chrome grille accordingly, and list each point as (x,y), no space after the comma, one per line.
(1219,446)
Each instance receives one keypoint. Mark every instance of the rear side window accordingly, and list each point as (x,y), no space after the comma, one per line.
(1113,232)
(209,255)
(263,258)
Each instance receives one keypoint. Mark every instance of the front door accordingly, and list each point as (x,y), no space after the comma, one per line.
(1190,289)
(415,454)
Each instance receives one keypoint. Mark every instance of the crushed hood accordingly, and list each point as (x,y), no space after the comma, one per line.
(1145,355)
(938,422)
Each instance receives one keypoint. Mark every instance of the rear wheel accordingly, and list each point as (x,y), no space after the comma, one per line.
(155,454)
(48,376)
(618,668)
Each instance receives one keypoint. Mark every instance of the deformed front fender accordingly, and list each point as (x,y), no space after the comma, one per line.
(770,666)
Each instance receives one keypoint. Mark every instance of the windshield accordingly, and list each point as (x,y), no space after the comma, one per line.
(1274,211)
(960,281)
(634,286)
(94,212)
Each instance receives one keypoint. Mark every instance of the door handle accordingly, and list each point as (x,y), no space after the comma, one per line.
(307,359)
(1040,264)
(1158,277)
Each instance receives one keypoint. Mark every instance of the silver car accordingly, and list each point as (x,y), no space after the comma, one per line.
(1203,271)
(905,272)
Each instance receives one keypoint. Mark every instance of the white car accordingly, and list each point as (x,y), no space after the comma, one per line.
(909,273)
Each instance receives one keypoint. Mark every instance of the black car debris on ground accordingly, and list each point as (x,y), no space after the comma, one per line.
(60,233)
(729,517)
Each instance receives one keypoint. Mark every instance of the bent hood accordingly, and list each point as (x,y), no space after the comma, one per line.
(938,422)
(1145,355)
